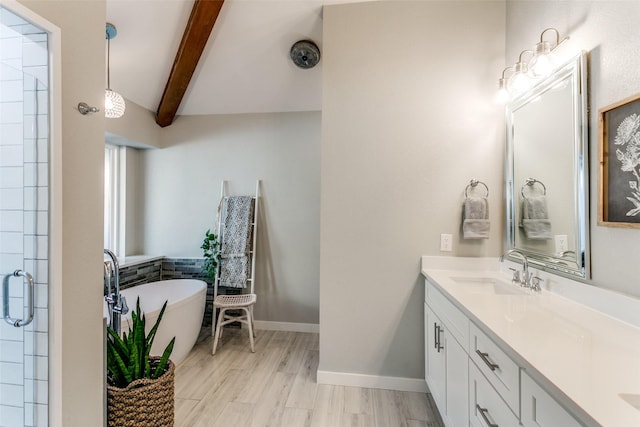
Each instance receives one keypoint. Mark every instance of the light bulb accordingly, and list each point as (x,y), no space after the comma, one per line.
(542,63)
(518,83)
(503,95)
(114,104)
(108,103)
(519,80)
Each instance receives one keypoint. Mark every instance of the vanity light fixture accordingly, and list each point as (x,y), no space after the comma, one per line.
(541,64)
(543,61)
(520,80)
(503,93)
(114,104)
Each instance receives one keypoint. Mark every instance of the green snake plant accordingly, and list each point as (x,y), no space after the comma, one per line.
(128,357)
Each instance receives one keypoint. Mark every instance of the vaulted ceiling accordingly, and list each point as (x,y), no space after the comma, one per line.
(244,68)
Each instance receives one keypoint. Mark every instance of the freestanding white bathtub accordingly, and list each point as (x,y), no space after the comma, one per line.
(182,317)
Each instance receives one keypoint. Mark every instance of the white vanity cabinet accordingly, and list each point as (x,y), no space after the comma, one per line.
(473,380)
(446,370)
(540,409)
(497,367)
(434,363)
(486,407)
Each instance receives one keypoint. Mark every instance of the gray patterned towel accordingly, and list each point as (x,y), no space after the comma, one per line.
(236,240)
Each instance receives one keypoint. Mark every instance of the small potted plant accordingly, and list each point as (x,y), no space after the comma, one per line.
(140,387)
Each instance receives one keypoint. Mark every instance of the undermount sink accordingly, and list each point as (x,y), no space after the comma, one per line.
(488,286)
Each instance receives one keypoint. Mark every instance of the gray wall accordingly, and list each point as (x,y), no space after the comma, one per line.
(408,120)
(608,31)
(182,191)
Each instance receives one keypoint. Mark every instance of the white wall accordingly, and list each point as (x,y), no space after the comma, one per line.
(134,201)
(78,340)
(182,191)
(606,30)
(408,120)
(136,128)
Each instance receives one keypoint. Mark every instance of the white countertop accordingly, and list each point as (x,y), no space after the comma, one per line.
(586,359)
(130,260)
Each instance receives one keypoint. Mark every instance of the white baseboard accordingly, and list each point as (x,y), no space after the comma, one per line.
(287,326)
(372,381)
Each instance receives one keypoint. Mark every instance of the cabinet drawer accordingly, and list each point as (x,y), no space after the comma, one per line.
(539,409)
(454,320)
(496,366)
(486,408)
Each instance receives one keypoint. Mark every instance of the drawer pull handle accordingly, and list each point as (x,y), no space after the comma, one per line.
(485,359)
(440,346)
(483,414)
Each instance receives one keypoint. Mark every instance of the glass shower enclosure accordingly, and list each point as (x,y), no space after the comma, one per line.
(24,221)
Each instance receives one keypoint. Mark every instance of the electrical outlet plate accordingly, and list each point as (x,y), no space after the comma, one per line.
(562,243)
(446,242)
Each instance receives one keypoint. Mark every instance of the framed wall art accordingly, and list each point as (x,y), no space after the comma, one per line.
(619,184)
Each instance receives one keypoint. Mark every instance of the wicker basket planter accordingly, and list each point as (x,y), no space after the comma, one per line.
(143,403)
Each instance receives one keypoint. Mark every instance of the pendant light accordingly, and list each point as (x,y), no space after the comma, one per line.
(114,105)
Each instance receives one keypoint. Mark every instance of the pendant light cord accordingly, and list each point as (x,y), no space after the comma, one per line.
(108,61)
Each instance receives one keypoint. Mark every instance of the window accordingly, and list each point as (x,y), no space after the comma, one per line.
(112,198)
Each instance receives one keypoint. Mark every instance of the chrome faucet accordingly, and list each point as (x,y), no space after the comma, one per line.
(525,279)
(116,303)
(565,253)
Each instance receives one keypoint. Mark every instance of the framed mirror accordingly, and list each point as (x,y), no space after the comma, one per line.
(546,172)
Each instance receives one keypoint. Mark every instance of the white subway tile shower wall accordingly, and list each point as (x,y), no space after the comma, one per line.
(23,216)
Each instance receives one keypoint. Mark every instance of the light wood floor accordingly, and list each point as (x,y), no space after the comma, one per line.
(276,386)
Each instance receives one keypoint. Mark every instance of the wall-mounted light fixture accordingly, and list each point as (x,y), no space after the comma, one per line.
(524,75)
(520,80)
(114,105)
(543,61)
(503,93)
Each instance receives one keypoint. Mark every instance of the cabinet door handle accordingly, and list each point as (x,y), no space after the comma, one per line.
(440,346)
(435,336)
(485,359)
(483,414)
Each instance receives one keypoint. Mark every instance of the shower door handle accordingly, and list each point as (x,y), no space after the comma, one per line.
(5,299)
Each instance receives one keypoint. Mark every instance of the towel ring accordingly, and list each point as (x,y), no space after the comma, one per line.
(473,184)
(530,182)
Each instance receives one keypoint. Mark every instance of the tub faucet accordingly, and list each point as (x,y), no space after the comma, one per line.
(116,303)
(525,280)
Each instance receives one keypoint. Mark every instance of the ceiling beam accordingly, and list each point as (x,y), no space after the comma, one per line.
(203,17)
